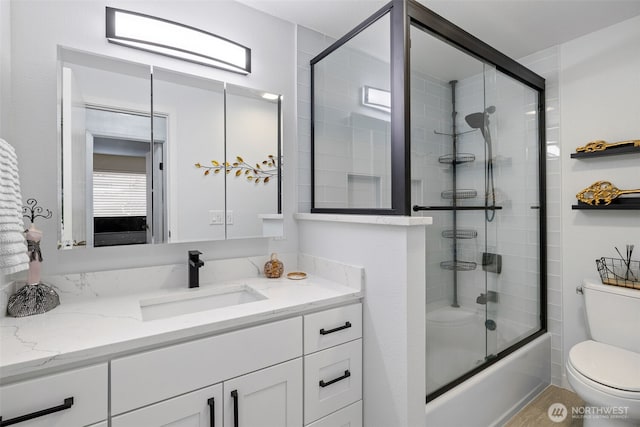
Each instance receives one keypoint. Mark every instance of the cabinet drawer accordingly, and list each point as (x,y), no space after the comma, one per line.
(351,416)
(191,409)
(156,375)
(332,379)
(332,327)
(87,386)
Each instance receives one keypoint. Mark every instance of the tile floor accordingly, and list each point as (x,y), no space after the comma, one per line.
(536,413)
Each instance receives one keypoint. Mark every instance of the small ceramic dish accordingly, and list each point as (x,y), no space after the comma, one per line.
(297,275)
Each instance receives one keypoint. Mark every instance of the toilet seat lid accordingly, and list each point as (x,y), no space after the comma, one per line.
(608,365)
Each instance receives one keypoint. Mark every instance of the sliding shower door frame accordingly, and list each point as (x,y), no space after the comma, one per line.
(404,14)
(434,24)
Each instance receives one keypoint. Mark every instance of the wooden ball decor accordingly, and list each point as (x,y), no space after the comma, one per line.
(273,268)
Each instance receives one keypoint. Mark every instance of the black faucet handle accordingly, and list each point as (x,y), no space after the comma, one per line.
(194,254)
(194,259)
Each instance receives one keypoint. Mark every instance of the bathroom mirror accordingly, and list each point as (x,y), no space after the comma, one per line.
(126,179)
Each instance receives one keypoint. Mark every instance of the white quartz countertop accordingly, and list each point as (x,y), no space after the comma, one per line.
(94,329)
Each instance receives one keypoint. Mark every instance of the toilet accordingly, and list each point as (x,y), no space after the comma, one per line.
(605,370)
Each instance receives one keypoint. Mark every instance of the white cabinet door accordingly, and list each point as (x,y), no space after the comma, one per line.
(202,408)
(271,397)
(72,398)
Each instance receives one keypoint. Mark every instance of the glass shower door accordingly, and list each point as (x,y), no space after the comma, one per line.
(451,120)
(515,312)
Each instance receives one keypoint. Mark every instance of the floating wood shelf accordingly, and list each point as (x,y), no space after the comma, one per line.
(617,204)
(613,151)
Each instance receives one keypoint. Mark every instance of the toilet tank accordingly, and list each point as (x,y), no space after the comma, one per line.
(613,314)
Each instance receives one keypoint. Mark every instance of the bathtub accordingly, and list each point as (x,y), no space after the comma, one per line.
(456,344)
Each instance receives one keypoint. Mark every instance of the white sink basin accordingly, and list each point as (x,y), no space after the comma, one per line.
(197,300)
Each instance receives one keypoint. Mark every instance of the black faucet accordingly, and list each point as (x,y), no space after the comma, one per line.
(194,264)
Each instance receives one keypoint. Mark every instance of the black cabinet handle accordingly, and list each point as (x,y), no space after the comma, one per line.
(347,374)
(234,395)
(212,411)
(68,403)
(339,328)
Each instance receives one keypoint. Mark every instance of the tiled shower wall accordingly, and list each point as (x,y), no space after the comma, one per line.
(547,64)
(309,44)
(352,140)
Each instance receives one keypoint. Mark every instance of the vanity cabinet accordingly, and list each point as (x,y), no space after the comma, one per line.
(305,370)
(333,367)
(72,398)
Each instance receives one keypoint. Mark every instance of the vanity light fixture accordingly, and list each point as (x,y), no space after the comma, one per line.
(180,41)
(376,98)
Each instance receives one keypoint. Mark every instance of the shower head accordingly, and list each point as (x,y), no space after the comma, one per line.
(475,121)
(481,120)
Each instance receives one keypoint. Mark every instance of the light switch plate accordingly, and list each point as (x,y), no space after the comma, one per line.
(216,217)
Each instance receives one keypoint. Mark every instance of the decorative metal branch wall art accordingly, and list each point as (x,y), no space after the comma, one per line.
(261,172)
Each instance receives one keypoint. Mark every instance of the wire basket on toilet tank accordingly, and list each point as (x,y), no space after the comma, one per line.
(619,272)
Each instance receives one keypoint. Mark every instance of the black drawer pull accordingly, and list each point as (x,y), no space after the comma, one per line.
(212,411)
(339,328)
(68,403)
(234,395)
(347,374)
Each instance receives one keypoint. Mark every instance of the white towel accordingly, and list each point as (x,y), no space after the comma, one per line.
(13,247)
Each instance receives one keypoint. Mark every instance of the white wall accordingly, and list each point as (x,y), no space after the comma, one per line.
(5,67)
(599,93)
(393,311)
(37,28)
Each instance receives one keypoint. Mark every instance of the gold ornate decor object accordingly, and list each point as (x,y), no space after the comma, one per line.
(602,192)
(258,173)
(600,145)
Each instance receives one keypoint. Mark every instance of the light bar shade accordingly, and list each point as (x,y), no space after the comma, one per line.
(176,40)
